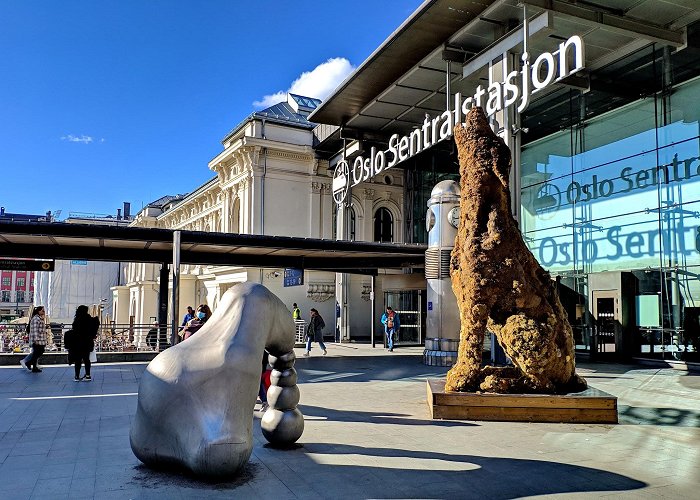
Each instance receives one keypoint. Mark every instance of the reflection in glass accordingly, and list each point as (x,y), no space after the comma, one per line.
(620,193)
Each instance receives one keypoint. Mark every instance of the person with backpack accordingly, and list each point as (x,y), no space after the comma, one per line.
(314,332)
(391,323)
(82,341)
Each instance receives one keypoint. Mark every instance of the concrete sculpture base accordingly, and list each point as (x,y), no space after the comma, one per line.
(590,406)
(196,399)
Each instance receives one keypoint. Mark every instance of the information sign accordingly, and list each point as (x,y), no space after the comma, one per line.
(293,277)
(26,265)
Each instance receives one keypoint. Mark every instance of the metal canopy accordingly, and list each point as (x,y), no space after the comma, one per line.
(405,78)
(137,244)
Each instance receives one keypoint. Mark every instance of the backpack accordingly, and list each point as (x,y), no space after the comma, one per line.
(68,340)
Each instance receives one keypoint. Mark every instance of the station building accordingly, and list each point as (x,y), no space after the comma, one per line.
(268,181)
(598,102)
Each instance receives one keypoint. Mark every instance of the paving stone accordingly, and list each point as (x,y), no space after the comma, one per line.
(367,435)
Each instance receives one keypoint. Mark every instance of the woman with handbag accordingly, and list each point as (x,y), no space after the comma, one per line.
(82,343)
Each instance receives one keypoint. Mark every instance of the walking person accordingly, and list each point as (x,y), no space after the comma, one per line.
(152,337)
(264,381)
(390,320)
(296,312)
(37,339)
(314,332)
(82,343)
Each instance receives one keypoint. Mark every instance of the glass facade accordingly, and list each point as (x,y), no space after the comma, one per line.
(611,207)
(422,174)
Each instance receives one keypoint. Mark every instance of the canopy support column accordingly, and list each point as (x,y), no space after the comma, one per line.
(163,300)
(176,287)
(372,304)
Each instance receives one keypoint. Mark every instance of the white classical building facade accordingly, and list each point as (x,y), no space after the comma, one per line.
(268,181)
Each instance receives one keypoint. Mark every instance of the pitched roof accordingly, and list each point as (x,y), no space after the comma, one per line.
(164,200)
(293,113)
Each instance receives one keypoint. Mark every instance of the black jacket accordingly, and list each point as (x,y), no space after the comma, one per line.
(84,334)
(315,328)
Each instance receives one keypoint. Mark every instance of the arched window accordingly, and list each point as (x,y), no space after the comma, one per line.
(352,224)
(383,226)
(235,217)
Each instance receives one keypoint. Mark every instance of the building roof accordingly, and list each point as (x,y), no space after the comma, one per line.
(13,217)
(405,78)
(293,113)
(163,201)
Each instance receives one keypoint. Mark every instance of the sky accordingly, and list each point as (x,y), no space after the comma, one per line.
(112,101)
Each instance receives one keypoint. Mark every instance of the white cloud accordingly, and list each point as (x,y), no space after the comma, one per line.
(85,139)
(318,83)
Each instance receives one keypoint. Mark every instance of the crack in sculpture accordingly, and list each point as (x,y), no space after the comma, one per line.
(499,284)
(196,399)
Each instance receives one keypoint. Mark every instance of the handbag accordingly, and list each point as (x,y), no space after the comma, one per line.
(93,356)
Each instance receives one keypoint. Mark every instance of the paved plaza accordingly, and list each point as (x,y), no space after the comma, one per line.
(367,435)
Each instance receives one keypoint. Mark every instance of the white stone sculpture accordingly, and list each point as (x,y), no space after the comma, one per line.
(196,399)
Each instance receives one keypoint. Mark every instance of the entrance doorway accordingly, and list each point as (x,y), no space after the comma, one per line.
(410,306)
(605,311)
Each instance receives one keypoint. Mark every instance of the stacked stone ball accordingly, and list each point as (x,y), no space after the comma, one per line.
(282,423)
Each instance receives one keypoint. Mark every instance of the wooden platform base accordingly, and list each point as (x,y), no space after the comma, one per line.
(589,406)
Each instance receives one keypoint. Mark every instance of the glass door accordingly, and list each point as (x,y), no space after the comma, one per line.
(410,306)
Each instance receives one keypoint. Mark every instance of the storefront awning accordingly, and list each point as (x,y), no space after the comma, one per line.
(137,244)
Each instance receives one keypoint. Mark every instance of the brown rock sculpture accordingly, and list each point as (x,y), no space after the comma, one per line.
(498,283)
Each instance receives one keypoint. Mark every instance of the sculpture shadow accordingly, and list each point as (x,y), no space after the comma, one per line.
(440,475)
(407,473)
(378,417)
(672,417)
(154,478)
(364,369)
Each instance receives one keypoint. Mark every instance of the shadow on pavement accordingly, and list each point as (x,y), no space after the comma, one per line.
(364,368)
(467,476)
(154,479)
(377,417)
(398,473)
(675,417)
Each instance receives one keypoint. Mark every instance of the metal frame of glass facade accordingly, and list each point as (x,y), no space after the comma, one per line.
(611,207)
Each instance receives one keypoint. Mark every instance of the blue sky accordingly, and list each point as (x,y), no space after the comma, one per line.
(111,101)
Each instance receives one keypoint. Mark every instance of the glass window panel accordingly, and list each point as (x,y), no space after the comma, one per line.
(619,134)
(684,114)
(553,248)
(623,242)
(680,228)
(682,162)
(545,174)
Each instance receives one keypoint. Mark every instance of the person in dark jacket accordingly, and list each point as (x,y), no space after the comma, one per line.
(82,341)
(314,332)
